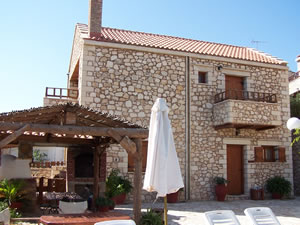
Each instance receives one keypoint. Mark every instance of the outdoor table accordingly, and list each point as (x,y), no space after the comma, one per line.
(82,219)
(52,200)
(57,196)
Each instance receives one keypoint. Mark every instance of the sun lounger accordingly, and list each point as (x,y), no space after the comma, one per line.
(221,217)
(116,222)
(261,215)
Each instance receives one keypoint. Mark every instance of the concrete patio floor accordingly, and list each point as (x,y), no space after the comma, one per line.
(190,213)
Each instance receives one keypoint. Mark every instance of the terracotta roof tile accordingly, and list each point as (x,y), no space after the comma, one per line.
(179,44)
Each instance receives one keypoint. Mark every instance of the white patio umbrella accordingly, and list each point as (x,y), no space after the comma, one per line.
(163,173)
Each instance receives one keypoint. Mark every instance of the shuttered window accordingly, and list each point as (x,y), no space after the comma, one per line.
(269,154)
(144,154)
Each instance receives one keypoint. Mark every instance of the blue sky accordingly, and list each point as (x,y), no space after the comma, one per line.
(36,35)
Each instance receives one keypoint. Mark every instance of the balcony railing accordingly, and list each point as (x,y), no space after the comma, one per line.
(245,95)
(62,93)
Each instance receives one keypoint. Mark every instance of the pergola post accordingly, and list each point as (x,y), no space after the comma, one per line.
(97,153)
(137,195)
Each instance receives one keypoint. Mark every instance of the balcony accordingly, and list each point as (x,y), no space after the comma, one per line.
(60,95)
(246,110)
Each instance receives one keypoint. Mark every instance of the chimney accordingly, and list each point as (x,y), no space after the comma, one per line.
(95,17)
(298,63)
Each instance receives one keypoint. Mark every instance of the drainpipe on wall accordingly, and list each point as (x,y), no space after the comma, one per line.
(187,127)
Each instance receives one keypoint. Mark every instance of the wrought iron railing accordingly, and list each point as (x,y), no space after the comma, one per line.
(61,93)
(246,95)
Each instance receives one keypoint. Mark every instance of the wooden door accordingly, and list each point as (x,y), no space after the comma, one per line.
(234,87)
(235,169)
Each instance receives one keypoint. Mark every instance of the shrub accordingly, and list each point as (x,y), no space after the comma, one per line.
(220,180)
(116,184)
(150,218)
(279,185)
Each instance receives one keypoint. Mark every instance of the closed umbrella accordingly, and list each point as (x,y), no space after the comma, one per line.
(163,173)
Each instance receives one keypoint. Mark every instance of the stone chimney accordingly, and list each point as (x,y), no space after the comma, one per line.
(95,17)
(298,63)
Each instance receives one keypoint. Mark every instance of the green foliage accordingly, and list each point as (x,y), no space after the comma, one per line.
(220,180)
(13,212)
(39,156)
(295,105)
(116,184)
(151,218)
(279,185)
(104,201)
(12,190)
(3,205)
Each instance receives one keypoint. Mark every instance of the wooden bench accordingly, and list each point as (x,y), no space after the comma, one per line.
(82,219)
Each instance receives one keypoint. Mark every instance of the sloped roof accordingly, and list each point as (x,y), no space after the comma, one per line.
(56,115)
(179,44)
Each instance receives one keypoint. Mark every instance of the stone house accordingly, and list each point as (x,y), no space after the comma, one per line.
(228,104)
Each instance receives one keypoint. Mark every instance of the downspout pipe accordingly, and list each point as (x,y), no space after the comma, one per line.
(187,128)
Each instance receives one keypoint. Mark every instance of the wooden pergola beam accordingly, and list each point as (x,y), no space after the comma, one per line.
(13,136)
(64,141)
(125,142)
(76,130)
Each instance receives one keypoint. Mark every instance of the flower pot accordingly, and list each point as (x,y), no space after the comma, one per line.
(16,205)
(103,208)
(221,192)
(276,195)
(119,199)
(172,198)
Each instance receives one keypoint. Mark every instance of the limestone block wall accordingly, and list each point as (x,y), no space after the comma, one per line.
(208,146)
(76,51)
(126,83)
(245,112)
(56,101)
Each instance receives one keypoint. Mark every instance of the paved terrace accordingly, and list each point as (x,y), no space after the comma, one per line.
(190,213)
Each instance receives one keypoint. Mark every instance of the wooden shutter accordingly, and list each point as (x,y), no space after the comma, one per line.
(281,151)
(144,162)
(259,154)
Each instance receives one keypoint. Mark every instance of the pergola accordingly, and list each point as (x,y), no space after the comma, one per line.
(72,125)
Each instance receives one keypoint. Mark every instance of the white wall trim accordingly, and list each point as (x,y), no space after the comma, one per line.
(270,143)
(237,141)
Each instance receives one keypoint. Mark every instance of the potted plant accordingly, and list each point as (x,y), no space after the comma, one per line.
(117,187)
(151,218)
(278,186)
(13,192)
(221,188)
(103,204)
(173,197)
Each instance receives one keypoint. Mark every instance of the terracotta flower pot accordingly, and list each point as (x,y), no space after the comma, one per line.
(103,208)
(16,205)
(119,199)
(221,192)
(276,196)
(172,198)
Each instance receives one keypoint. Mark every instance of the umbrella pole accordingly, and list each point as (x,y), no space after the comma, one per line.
(165,210)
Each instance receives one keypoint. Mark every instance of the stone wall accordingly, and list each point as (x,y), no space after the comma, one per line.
(126,83)
(245,112)
(57,101)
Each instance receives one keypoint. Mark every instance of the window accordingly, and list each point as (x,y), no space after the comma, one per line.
(202,78)
(269,154)
(144,162)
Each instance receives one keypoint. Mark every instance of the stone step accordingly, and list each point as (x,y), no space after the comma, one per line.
(237,197)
